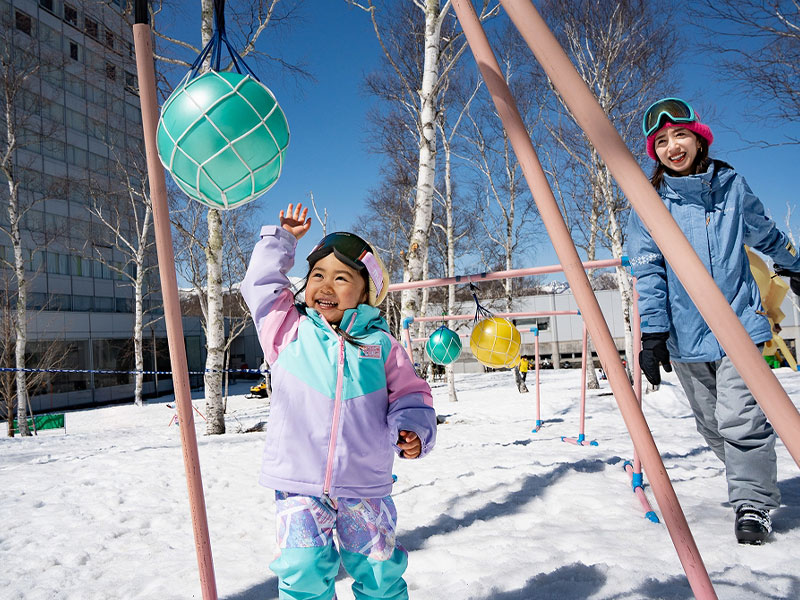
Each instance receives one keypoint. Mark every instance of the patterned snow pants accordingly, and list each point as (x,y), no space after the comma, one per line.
(309,561)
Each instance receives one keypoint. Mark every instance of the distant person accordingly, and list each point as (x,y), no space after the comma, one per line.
(523,368)
(345,400)
(719,214)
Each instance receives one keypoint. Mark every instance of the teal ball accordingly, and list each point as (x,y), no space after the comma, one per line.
(443,346)
(222,137)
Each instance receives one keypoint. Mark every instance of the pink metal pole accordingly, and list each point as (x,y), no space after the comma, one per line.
(581,439)
(172,310)
(478,277)
(637,368)
(677,526)
(539,421)
(676,249)
(510,315)
(634,470)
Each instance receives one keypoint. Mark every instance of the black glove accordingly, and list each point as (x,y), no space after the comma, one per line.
(654,351)
(794,279)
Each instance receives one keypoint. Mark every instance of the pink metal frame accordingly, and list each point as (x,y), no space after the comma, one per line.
(588,112)
(581,439)
(634,469)
(172,309)
(495,275)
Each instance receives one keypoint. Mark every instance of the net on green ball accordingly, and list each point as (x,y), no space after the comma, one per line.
(443,346)
(222,137)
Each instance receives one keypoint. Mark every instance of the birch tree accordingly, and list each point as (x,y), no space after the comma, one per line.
(250,21)
(453,224)
(126,214)
(505,213)
(417,88)
(621,51)
(23,124)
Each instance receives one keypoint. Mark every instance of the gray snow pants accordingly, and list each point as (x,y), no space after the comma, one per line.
(735,428)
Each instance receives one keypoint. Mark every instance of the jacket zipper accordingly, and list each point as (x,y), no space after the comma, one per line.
(337,410)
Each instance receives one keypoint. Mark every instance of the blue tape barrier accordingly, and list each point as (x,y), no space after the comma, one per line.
(110,372)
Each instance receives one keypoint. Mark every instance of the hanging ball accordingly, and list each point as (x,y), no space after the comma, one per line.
(495,342)
(443,346)
(222,137)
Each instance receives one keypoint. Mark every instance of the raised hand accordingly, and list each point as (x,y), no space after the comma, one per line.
(294,220)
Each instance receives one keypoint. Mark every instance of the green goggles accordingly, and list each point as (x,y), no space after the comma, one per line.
(674,110)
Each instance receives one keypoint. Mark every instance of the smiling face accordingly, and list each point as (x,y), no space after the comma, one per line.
(333,287)
(677,148)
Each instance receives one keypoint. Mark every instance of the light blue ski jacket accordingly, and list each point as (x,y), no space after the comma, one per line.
(336,407)
(719,214)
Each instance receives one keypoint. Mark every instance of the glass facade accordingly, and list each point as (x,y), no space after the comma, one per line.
(86,116)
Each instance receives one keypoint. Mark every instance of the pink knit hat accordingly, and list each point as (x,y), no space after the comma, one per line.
(696,127)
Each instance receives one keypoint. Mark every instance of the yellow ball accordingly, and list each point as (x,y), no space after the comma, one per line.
(495,342)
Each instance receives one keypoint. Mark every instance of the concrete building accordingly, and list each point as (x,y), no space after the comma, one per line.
(80,121)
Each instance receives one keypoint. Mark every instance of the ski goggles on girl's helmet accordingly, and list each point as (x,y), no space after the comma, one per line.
(358,254)
(667,109)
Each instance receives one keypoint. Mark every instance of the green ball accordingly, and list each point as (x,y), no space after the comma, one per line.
(443,346)
(222,137)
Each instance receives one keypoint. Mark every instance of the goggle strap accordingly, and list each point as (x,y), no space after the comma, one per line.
(374,270)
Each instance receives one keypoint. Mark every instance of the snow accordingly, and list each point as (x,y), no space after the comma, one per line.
(494,512)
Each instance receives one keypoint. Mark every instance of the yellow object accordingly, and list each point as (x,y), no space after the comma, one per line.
(495,342)
(773,290)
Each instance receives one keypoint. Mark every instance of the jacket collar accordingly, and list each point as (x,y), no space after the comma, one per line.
(694,187)
(367,318)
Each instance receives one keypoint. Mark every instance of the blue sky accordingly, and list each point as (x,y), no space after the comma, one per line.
(327,154)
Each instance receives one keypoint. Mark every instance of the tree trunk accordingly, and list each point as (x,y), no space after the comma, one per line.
(423,201)
(215,326)
(21,325)
(138,345)
(451,260)
(615,235)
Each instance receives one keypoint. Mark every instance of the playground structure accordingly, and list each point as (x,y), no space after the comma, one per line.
(580,440)
(676,249)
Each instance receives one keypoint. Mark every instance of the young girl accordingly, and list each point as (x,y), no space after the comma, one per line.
(719,214)
(345,398)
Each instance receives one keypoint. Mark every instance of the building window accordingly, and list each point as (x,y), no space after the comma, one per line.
(36,300)
(110,39)
(82,303)
(124,305)
(71,15)
(91,27)
(73,51)
(46,4)
(130,83)
(60,302)
(111,71)
(103,304)
(24,22)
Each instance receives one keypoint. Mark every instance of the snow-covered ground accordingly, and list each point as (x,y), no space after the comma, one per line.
(494,513)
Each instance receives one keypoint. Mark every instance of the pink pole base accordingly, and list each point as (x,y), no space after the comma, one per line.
(579,441)
(649,513)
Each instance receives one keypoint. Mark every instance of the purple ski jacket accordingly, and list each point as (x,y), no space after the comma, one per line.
(336,407)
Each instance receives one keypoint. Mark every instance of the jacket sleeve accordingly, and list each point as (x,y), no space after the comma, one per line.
(410,400)
(762,233)
(265,288)
(649,268)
